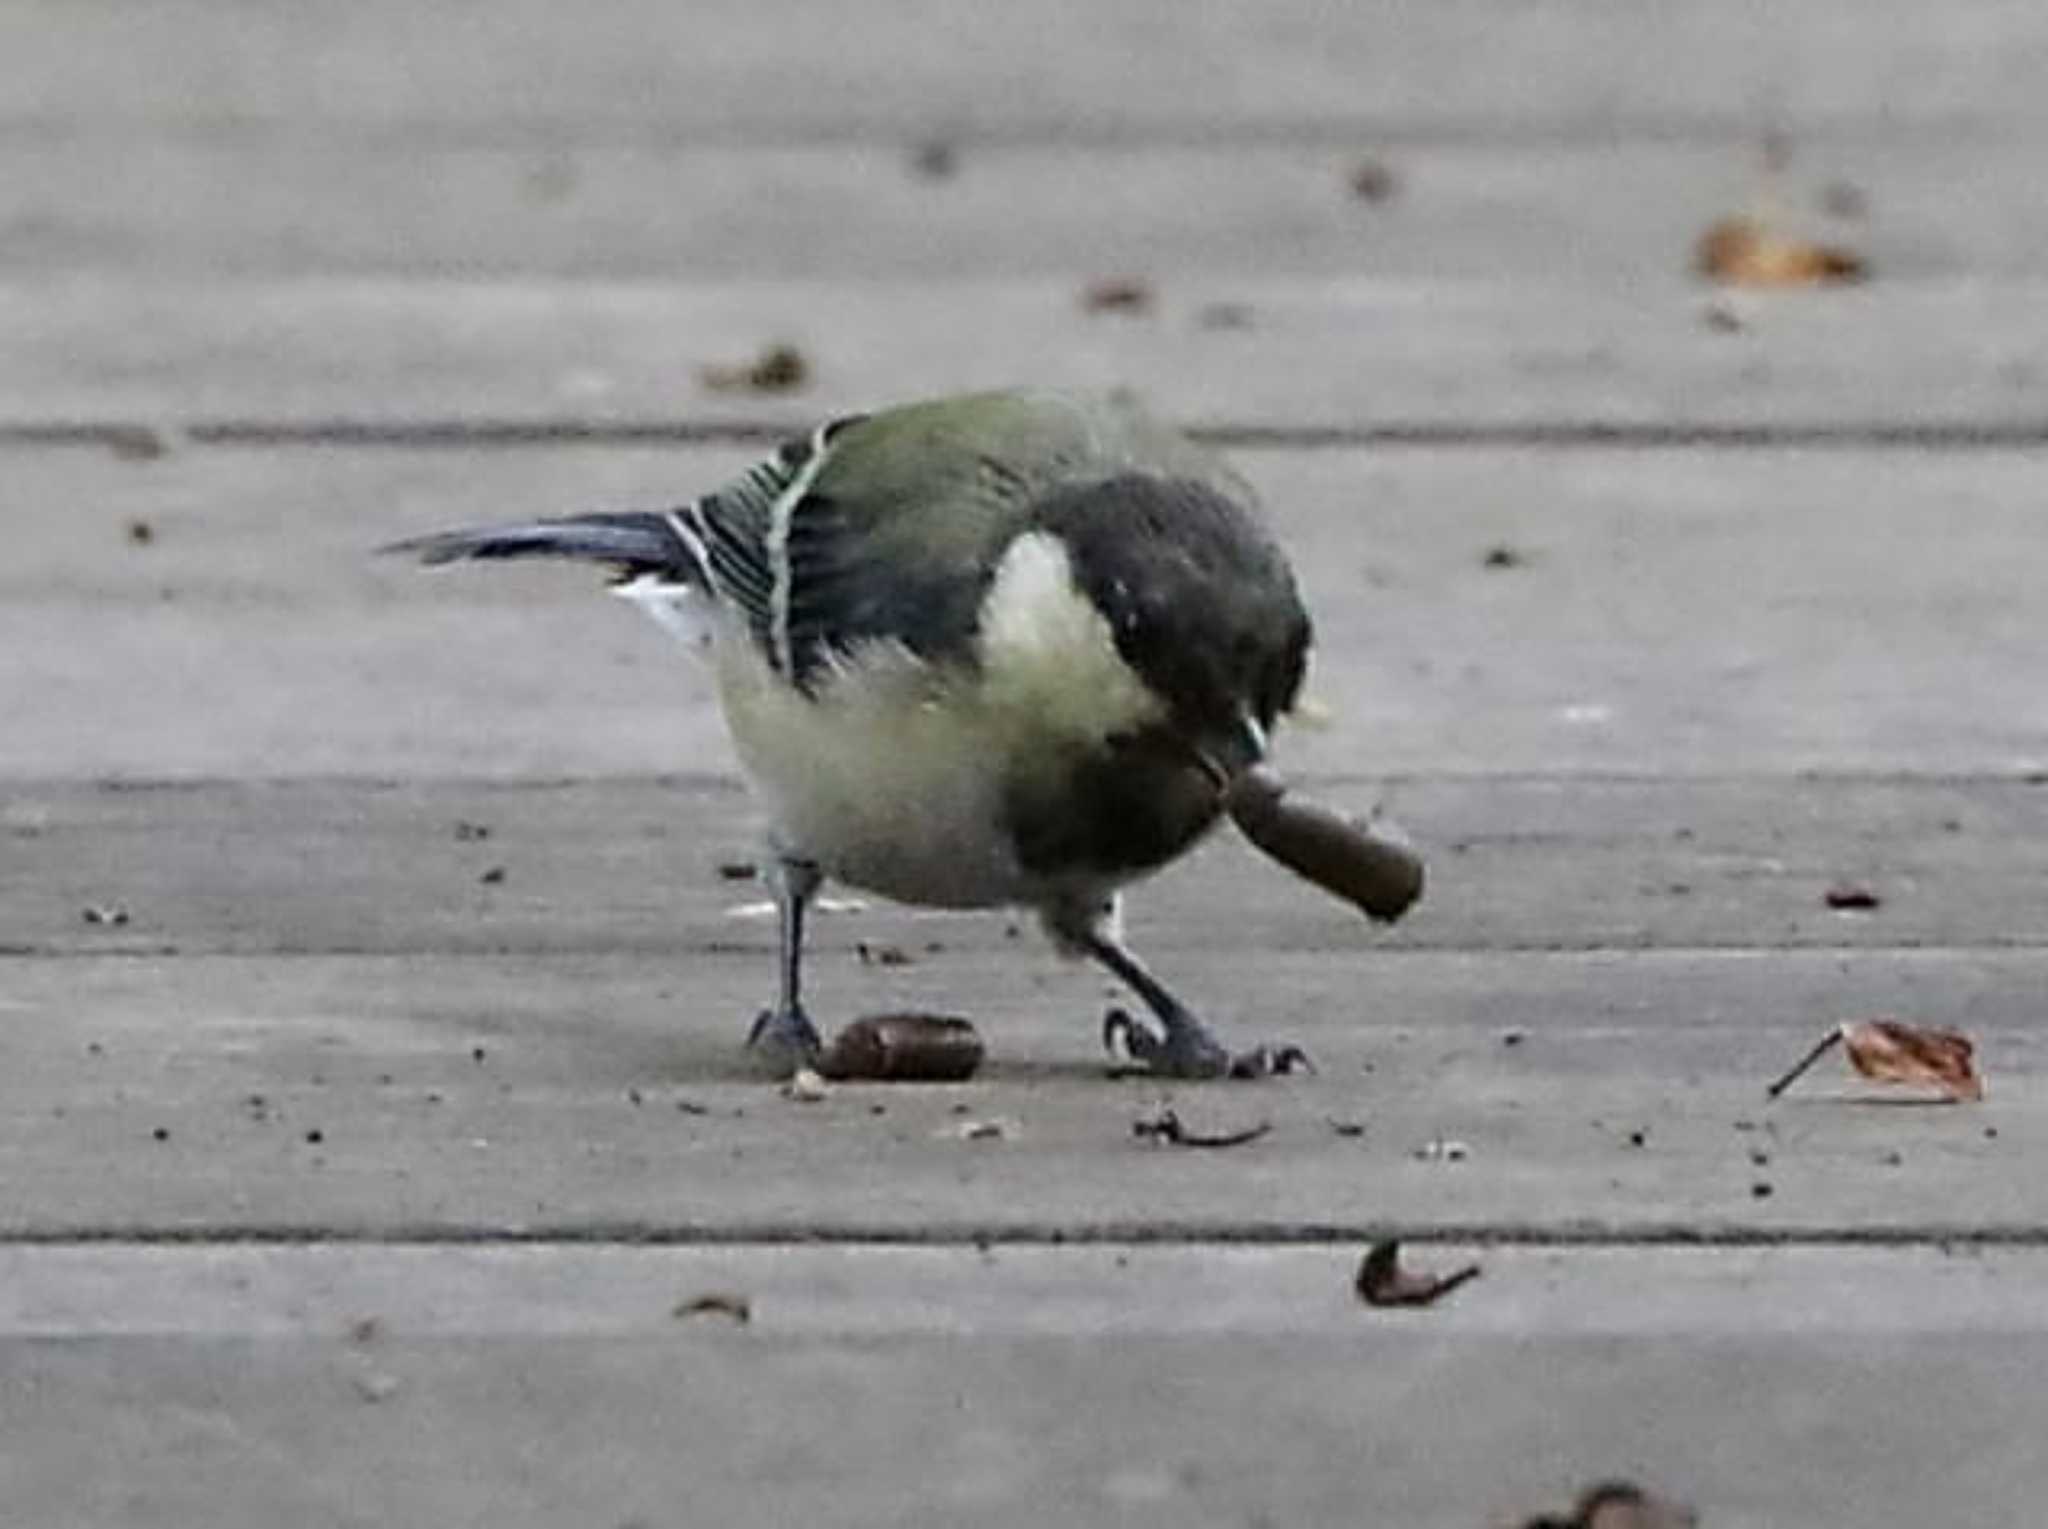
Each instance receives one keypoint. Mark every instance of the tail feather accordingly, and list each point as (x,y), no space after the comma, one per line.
(634,542)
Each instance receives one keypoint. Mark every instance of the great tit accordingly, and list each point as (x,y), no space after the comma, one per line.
(1002,649)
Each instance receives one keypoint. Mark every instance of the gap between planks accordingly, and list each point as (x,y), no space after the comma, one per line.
(139,438)
(1023,1234)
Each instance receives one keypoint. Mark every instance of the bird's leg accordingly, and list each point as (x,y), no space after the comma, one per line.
(1186,1049)
(784,1035)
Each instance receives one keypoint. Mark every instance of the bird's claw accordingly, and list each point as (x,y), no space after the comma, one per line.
(1189,1051)
(784,1039)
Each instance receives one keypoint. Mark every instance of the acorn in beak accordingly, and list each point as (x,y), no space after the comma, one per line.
(1369,864)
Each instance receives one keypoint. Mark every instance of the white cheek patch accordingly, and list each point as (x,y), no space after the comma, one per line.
(1049,655)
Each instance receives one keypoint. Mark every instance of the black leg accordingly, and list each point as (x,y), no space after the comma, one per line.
(785,1034)
(1186,1049)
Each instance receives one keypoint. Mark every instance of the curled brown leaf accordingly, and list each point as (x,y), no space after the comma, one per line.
(1618,1505)
(1890,1051)
(1383,1282)
(779,368)
(720,1303)
(1745,251)
(1117,294)
(1166,1126)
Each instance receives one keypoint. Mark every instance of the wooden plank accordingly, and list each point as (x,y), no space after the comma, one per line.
(1339,355)
(1052,68)
(605,1096)
(631,866)
(1679,611)
(795,1292)
(1604,212)
(1390,1416)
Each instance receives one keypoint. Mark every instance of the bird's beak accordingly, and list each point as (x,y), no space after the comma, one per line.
(1226,755)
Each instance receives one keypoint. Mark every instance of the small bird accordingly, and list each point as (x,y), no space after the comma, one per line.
(1000,649)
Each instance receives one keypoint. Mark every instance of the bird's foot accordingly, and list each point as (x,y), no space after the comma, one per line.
(783,1040)
(1188,1050)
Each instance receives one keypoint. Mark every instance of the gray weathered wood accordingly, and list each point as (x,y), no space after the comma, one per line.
(605,1095)
(1360,355)
(1611,212)
(1684,611)
(1388,1417)
(631,866)
(742,68)
(320,1067)
(796,1293)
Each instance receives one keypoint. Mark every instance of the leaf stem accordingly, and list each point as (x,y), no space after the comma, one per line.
(1798,1069)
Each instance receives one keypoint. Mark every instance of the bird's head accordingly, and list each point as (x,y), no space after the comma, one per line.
(1201,603)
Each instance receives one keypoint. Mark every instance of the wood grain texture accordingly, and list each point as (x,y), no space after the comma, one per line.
(358,1156)
(788,68)
(606,1097)
(1384,1418)
(338,358)
(324,866)
(1111,1291)
(1689,612)
(1605,212)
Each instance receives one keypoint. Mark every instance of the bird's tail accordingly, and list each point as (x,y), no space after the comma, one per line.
(635,544)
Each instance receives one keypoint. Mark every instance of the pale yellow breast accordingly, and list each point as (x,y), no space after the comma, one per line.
(893,774)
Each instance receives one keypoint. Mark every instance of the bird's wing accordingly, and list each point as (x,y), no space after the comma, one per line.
(894,526)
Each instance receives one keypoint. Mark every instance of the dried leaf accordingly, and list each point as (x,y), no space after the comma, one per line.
(1165,1126)
(1374,180)
(1117,294)
(719,1303)
(1888,1051)
(994,1128)
(779,368)
(1618,1505)
(882,953)
(1383,1282)
(1744,251)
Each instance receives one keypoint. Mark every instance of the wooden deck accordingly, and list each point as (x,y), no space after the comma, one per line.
(370,989)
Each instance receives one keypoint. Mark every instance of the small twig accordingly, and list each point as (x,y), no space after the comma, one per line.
(1826,1044)
(1166,1126)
